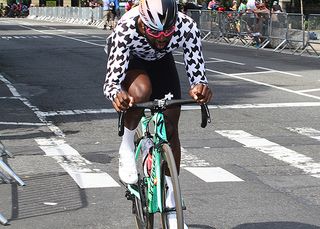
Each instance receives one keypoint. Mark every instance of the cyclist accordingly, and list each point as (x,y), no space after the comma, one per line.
(141,68)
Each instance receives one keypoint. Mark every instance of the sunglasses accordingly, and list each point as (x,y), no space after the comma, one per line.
(157,34)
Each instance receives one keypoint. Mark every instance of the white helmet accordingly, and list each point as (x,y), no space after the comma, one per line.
(158,14)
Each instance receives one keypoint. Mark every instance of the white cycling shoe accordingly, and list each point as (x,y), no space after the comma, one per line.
(127,168)
(172,221)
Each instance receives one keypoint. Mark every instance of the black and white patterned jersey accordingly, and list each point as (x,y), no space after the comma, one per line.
(126,40)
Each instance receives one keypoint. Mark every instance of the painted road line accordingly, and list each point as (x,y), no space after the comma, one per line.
(228,61)
(213,174)
(252,73)
(187,107)
(189,160)
(75,165)
(274,150)
(309,132)
(23,123)
(282,72)
(310,90)
(213,61)
(78,112)
(59,35)
(269,105)
(200,168)
(9,97)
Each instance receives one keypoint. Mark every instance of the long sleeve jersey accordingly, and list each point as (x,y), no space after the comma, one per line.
(126,40)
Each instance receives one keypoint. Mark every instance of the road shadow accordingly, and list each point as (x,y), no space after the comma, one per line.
(46,194)
(276,225)
(200,226)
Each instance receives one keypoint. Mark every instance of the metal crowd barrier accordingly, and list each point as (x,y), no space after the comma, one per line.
(76,15)
(312,45)
(7,175)
(80,15)
(279,31)
(294,33)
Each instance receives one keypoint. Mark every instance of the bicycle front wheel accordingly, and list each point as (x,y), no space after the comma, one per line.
(144,219)
(170,163)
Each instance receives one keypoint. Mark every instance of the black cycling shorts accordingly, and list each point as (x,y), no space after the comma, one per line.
(163,75)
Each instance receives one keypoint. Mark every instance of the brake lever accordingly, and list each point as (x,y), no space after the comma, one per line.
(205,115)
(121,123)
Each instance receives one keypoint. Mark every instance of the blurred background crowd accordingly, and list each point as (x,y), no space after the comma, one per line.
(19,8)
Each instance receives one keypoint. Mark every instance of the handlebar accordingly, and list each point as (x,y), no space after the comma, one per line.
(161,105)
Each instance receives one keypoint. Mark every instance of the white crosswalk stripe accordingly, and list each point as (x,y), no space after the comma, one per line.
(293,158)
(307,131)
(213,174)
(24,37)
(72,162)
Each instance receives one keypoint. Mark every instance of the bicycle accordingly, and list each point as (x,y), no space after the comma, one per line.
(149,193)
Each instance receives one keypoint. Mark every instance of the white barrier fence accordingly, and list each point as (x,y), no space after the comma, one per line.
(77,15)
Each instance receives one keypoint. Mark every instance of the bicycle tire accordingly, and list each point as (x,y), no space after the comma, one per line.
(170,163)
(143,219)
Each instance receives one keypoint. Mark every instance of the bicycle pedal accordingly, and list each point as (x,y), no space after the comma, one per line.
(129,195)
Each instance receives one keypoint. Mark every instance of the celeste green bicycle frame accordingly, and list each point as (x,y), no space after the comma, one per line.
(153,182)
(151,186)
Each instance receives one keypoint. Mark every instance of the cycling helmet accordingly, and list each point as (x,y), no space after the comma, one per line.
(158,14)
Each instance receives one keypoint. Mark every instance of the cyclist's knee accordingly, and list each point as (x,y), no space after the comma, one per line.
(141,93)
(138,85)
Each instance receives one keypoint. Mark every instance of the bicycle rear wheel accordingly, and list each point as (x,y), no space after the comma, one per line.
(144,219)
(170,163)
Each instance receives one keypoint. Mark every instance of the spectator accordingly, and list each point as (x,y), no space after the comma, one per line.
(262,15)
(115,12)
(1,9)
(277,17)
(24,11)
(213,5)
(251,6)
(107,14)
(276,8)
(234,5)
(128,5)
(93,4)
(242,7)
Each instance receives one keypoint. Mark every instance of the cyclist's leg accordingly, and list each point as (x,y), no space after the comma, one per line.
(138,85)
(172,120)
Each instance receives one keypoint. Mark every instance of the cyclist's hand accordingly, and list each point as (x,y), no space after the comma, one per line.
(122,101)
(201,93)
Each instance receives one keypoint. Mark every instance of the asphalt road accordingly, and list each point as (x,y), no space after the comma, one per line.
(257,165)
